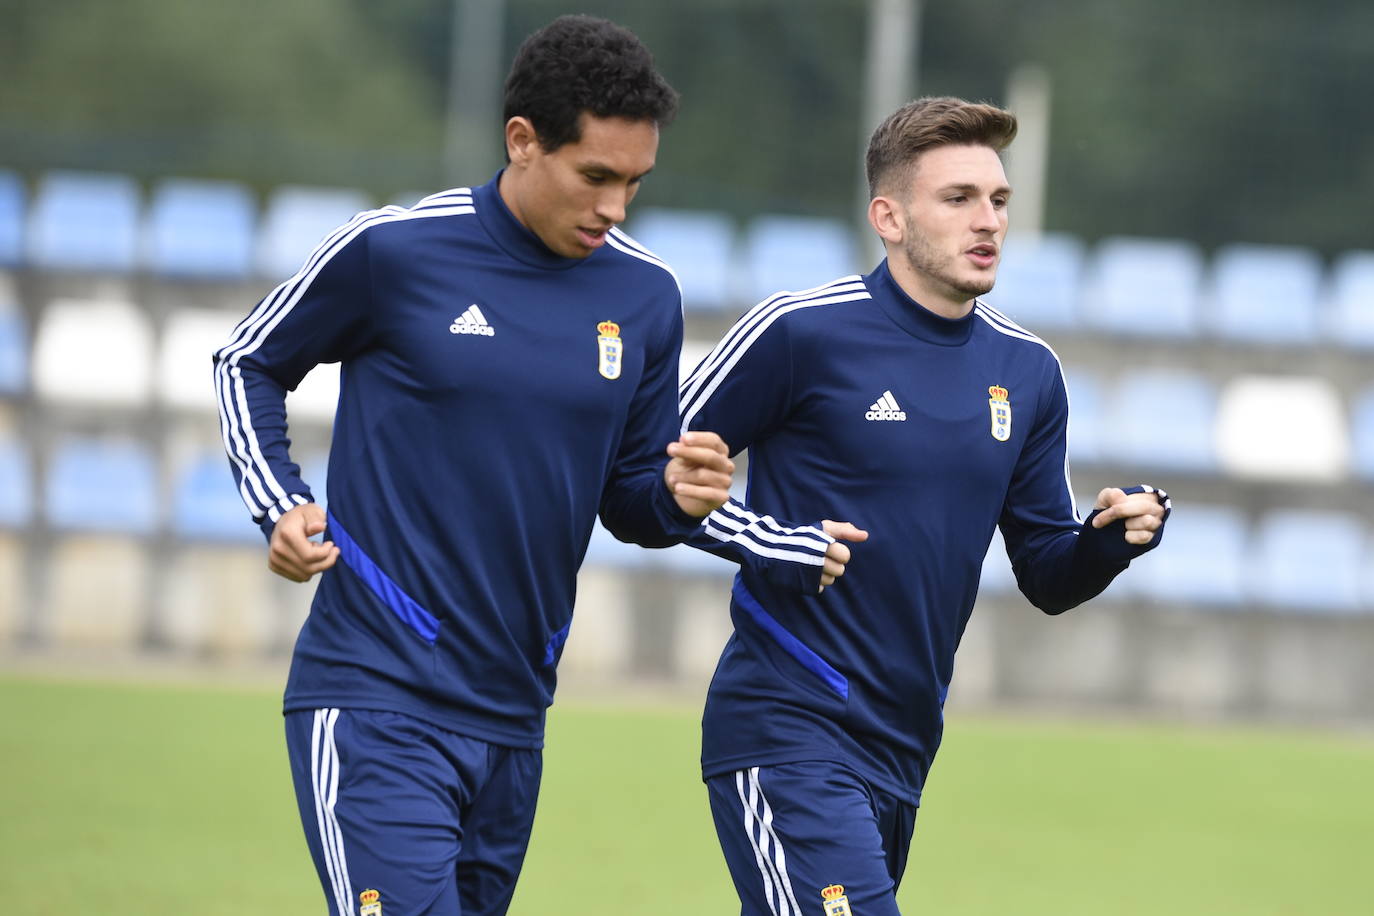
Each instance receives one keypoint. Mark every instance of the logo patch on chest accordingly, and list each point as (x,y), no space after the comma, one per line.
(472,322)
(610,349)
(885,408)
(999,402)
(835,903)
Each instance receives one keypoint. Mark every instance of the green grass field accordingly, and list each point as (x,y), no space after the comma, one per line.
(176,800)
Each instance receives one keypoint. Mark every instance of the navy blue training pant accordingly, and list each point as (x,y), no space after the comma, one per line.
(811,839)
(406,818)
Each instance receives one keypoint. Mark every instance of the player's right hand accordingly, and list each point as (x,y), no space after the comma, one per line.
(291,554)
(837,554)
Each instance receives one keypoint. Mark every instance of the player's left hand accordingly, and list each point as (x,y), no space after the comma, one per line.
(1143,513)
(699,473)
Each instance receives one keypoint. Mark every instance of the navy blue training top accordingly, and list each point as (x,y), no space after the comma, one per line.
(494,398)
(858,404)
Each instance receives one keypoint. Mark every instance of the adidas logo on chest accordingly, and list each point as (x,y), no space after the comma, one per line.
(472,322)
(885,408)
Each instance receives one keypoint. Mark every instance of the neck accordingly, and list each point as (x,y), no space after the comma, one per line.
(930,293)
(510,180)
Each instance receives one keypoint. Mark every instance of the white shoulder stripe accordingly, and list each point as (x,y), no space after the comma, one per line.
(258,486)
(758,313)
(622,242)
(703,382)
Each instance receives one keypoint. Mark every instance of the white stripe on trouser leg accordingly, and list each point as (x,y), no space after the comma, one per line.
(749,819)
(329,809)
(784,880)
(326,847)
(324,778)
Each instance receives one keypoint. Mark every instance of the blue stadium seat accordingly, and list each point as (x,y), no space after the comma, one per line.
(1087,416)
(200,229)
(102,485)
(16,484)
(1038,281)
(698,245)
(1143,287)
(796,253)
(1309,560)
(206,505)
(14,342)
(296,220)
(11,219)
(1264,294)
(1362,435)
(1163,419)
(1203,558)
(1350,316)
(84,221)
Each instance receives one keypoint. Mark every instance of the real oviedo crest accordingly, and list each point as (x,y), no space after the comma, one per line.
(999,401)
(610,348)
(835,903)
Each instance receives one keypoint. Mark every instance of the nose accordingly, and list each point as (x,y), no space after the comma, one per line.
(611,206)
(986,217)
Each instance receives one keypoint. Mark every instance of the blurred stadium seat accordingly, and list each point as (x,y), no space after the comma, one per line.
(296,220)
(1204,558)
(796,253)
(16,484)
(102,499)
(84,221)
(16,513)
(14,341)
(11,219)
(1038,281)
(1264,294)
(1350,310)
(1087,416)
(200,230)
(1143,287)
(1307,559)
(699,245)
(102,485)
(1289,427)
(219,592)
(206,506)
(189,338)
(1162,419)
(1362,434)
(94,352)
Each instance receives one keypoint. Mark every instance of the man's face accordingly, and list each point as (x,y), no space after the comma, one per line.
(956,218)
(571,197)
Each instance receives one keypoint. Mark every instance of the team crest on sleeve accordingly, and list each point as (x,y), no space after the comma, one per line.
(999,400)
(611,349)
(370,903)
(834,902)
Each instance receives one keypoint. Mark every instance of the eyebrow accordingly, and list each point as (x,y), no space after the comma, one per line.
(973,189)
(614,173)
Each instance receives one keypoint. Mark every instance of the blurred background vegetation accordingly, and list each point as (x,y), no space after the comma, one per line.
(1234,120)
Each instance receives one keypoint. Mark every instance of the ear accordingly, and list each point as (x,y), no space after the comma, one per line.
(887,219)
(521,141)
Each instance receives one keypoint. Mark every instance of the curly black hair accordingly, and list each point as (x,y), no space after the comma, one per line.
(581,63)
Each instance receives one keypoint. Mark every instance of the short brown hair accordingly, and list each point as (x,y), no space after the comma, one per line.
(930,122)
